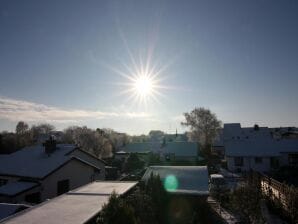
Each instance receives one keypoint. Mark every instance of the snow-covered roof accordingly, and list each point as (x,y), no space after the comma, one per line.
(235,131)
(75,207)
(139,147)
(191,180)
(121,152)
(10,209)
(181,148)
(13,188)
(216,176)
(33,162)
(260,147)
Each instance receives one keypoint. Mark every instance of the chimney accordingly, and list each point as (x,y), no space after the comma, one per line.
(49,146)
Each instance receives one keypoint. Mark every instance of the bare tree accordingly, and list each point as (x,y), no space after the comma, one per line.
(21,128)
(203,124)
(93,141)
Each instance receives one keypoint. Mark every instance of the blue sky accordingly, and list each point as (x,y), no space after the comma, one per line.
(237,58)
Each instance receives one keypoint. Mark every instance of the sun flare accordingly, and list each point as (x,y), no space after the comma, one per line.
(143,86)
(144,79)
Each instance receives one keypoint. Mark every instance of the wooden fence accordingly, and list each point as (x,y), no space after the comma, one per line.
(279,193)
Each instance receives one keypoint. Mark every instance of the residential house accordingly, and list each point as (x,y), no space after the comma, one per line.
(261,154)
(257,148)
(167,151)
(143,149)
(179,151)
(38,172)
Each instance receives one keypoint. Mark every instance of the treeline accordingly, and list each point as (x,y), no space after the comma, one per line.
(23,136)
(100,142)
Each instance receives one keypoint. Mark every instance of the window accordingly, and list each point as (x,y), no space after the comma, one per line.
(258,159)
(62,186)
(238,161)
(33,198)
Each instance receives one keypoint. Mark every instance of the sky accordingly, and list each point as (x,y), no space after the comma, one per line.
(74,62)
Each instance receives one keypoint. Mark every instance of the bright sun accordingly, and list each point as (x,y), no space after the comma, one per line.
(143,86)
(143,81)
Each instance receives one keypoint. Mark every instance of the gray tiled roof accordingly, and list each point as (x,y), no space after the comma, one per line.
(33,162)
(181,148)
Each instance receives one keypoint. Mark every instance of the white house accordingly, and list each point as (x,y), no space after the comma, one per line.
(36,173)
(260,154)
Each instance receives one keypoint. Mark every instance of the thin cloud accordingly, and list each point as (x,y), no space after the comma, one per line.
(178,118)
(15,110)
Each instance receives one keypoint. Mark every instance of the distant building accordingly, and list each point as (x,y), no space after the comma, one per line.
(36,173)
(81,205)
(234,131)
(261,154)
(168,151)
(257,148)
(179,151)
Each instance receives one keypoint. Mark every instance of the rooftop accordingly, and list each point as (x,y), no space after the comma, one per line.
(10,209)
(33,162)
(192,180)
(138,147)
(181,148)
(77,206)
(13,188)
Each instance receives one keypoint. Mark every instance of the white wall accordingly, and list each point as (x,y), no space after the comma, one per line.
(249,163)
(90,159)
(77,173)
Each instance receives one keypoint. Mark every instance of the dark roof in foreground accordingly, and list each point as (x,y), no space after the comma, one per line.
(191,180)
(77,206)
(7,209)
(14,188)
(33,162)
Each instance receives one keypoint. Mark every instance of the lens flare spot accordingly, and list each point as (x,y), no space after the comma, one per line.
(171,183)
